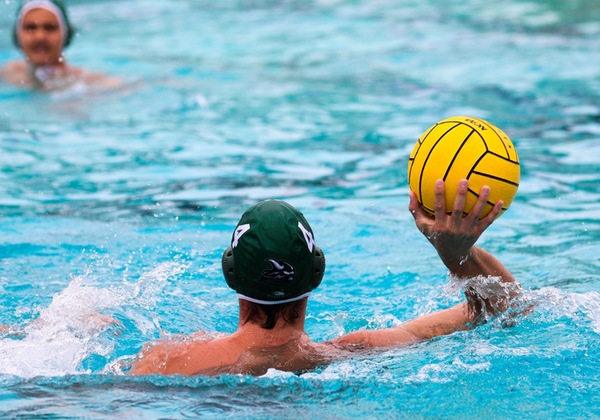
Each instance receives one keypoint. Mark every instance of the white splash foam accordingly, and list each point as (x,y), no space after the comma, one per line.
(70,329)
(274,373)
(443,372)
(559,303)
(590,305)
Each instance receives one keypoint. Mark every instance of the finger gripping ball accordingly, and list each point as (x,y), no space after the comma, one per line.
(464,147)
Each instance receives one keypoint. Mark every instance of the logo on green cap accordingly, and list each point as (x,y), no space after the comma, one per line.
(280,270)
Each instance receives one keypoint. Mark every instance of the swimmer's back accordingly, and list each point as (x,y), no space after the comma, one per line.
(239,353)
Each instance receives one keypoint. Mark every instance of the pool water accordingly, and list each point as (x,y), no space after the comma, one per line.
(120,202)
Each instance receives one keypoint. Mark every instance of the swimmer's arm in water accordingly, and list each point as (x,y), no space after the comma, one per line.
(92,322)
(453,236)
(444,322)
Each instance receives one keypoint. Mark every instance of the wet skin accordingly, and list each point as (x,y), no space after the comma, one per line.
(40,38)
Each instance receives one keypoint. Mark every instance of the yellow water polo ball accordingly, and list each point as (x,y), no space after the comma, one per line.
(464,147)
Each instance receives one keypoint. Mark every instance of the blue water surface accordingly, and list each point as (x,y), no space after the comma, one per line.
(121,201)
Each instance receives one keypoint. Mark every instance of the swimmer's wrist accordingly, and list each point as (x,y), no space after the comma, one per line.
(464,265)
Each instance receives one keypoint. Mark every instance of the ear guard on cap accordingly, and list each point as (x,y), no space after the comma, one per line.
(228,267)
(318,268)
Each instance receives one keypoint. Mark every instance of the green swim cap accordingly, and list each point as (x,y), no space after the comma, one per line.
(273,257)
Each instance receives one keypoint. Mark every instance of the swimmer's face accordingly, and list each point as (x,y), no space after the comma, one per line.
(40,38)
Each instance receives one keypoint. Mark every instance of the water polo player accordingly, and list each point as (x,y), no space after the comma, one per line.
(42,31)
(274,263)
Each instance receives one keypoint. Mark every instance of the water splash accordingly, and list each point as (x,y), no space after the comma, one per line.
(445,372)
(71,328)
(491,295)
(580,308)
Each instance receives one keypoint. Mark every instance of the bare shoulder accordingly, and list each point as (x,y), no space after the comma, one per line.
(16,65)
(152,359)
(14,72)
(93,78)
(199,353)
(102,80)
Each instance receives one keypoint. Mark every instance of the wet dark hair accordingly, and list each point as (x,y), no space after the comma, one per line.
(257,312)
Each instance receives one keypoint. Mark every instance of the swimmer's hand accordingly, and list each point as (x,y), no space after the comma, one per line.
(454,236)
(90,322)
(101,322)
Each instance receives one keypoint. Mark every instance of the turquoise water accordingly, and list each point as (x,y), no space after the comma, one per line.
(121,202)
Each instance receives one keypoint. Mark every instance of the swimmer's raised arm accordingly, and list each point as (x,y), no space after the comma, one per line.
(453,236)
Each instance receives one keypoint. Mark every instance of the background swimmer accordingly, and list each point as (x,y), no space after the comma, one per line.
(42,31)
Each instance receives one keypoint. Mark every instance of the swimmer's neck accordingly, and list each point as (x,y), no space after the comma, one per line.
(279,335)
(282,332)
